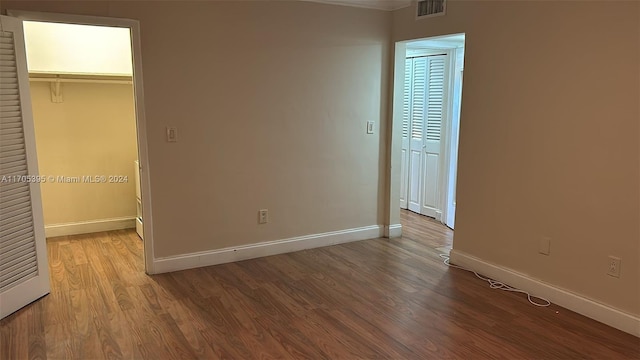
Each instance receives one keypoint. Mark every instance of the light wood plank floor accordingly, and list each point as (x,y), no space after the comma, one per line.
(369,299)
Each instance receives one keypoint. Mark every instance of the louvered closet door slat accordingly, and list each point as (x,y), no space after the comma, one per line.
(8,160)
(18,257)
(10,187)
(11,123)
(435,102)
(11,113)
(10,109)
(17,168)
(14,132)
(16,154)
(21,239)
(7,91)
(25,270)
(9,81)
(11,233)
(7,211)
(20,248)
(11,100)
(16,196)
(13,202)
(14,216)
(11,145)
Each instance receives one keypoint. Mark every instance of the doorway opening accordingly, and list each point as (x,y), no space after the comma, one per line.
(86,89)
(430,89)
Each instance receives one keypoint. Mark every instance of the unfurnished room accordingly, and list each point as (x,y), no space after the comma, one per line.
(319,179)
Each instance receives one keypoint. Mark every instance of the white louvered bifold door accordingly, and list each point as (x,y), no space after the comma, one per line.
(435,114)
(24,274)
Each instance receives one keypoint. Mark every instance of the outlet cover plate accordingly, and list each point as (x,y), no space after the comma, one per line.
(613,268)
(544,247)
(263,216)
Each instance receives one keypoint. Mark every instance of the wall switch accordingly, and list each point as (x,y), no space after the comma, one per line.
(172,134)
(263,216)
(544,247)
(614,266)
(369,127)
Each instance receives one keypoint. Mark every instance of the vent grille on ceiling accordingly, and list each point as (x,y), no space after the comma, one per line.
(428,8)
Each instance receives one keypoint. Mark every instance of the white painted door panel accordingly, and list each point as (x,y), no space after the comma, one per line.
(404,179)
(414,182)
(24,271)
(430,190)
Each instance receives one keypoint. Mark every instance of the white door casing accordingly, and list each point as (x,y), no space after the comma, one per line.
(24,271)
(406,123)
(143,153)
(457,74)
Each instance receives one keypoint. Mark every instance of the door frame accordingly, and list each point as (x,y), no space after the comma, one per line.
(141,124)
(449,210)
(395,138)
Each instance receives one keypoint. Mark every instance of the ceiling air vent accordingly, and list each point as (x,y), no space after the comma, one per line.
(429,8)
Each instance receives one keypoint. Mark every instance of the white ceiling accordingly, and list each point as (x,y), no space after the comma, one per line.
(388,5)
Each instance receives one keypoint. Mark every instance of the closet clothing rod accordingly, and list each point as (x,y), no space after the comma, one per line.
(80,78)
(91,81)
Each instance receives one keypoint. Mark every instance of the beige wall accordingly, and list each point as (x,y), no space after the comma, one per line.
(91,133)
(271,101)
(549,142)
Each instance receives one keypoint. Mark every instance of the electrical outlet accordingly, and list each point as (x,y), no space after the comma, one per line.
(263,216)
(544,247)
(614,266)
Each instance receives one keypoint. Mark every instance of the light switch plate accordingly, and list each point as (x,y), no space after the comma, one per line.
(172,134)
(369,127)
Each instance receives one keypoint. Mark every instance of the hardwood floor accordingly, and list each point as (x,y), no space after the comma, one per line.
(369,299)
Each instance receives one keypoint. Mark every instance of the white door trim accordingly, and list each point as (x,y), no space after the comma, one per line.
(453,134)
(143,155)
(447,136)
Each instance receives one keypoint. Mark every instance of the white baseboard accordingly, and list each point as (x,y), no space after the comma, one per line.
(86,227)
(268,248)
(600,312)
(393,231)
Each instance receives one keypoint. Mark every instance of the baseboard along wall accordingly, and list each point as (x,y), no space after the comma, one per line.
(600,312)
